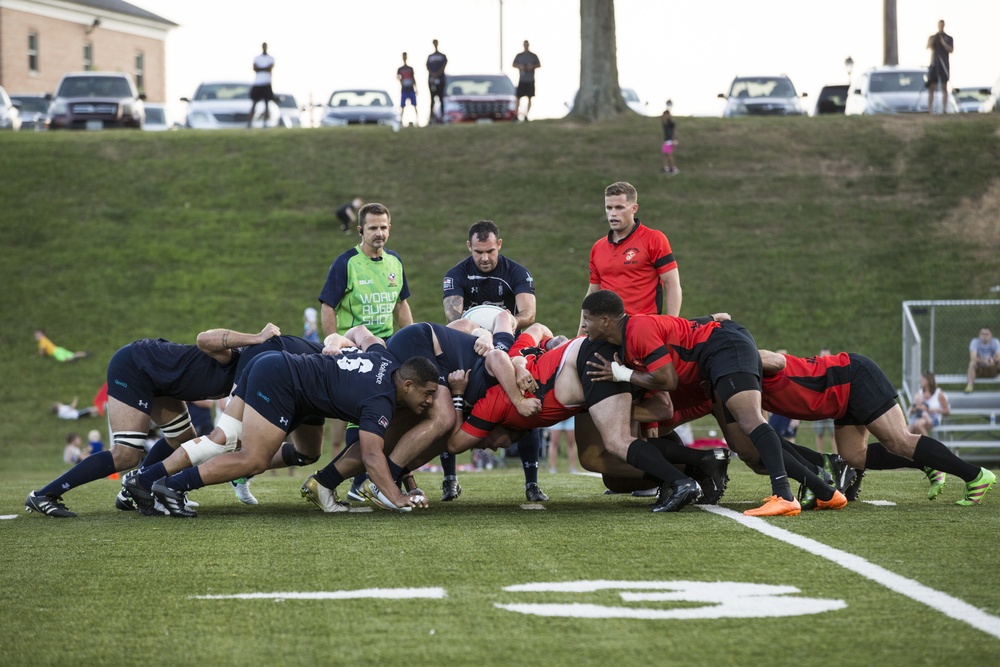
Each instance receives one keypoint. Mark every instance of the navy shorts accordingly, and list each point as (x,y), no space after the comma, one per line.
(526,89)
(872,394)
(268,388)
(408,96)
(128,383)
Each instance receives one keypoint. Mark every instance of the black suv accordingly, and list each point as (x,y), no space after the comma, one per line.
(96,100)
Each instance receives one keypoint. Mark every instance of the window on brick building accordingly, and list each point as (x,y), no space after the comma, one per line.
(88,57)
(33,52)
(140,71)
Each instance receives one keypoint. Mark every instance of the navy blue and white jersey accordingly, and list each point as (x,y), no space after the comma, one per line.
(292,344)
(355,386)
(500,287)
(147,368)
(417,340)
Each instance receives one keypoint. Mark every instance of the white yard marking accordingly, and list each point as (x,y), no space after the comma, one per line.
(880,503)
(7,516)
(532,506)
(942,602)
(378,593)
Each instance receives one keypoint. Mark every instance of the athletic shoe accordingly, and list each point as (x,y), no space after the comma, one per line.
(48,505)
(776,506)
(124,502)
(675,495)
(937,480)
(354,493)
(322,497)
(712,476)
(172,500)
(141,496)
(647,493)
(968,389)
(806,498)
(837,502)
(854,490)
(843,474)
(242,488)
(534,493)
(450,489)
(379,499)
(976,489)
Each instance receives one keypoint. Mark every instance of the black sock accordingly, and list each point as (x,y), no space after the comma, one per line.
(648,459)
(397,471)
(95,466)
(676,453)
(933,454)
(527,449)
(765,439)
(329,476)
(158,452)
(810,455)
(880,458)
(448,464)
(802,472)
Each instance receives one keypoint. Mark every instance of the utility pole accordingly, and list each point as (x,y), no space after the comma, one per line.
(890,49)
(501,37)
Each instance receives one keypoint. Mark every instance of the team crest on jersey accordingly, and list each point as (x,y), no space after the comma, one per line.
(383,422)
(392,280)
(449,283)
(630,255)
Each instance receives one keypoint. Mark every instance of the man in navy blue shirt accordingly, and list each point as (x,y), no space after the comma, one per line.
(280,390)
(488,278)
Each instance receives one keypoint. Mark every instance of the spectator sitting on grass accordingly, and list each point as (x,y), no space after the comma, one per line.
(47,348)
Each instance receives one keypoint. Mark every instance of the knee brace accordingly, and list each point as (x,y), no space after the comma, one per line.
(130,439)
(177,426)
(233,428)
(202,449)
(292,457)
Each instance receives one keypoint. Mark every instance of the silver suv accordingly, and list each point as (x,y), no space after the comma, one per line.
(762,96)
(96,100)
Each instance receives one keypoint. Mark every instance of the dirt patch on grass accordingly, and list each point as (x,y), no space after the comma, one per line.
(977,222)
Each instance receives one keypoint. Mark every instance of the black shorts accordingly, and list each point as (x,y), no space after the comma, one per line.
(437,85)
(262,92)
(730,350)
(937,74)
(595,392)
(872,394)
(526,89)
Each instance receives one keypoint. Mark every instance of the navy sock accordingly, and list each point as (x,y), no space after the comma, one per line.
(158,452)
(933,454)
(95,466)
(648,459)
(185,480)
(359,479)
(448,464)
(527,450)
(880,458)
(151,474)
(765,439)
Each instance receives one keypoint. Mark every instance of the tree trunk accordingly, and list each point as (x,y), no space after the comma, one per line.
(890,46)
(600,96)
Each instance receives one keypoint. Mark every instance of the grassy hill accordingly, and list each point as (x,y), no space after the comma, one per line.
(808,231)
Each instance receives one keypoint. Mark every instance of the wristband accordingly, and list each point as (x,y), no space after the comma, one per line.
(458,402)
(621,372)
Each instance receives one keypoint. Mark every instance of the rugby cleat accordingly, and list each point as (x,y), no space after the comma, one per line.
(172,500)
(977,488)
(776,506)
(806,498)
(651,492)
(837,502)
(143,498)
(123,501)
(450,489)
(322,497)
(534,493)
(843,474)
(854,489)
(242,488)
(354,493)
(379,499)
(675,495)
(48,505)
(937,480)
(712,476)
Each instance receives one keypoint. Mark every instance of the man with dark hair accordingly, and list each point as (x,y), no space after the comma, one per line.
(408,90)
(261,90)
(526,62)
(660,352)
(984,357)
(941,45)
(488,278)
(436,82)
(348,214)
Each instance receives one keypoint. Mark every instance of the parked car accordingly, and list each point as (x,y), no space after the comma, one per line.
(359,106)
(762,96)
(831,100)
(892,89)
(10,117)
(156,119)
(219,105)
(34,110)
(970,98)
(992,103)
(290,116)
(480,98)
(96,100)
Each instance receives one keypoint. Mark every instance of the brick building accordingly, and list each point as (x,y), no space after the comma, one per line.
(40,40)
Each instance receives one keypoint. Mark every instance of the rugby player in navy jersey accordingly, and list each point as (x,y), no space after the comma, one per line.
(486,277)
(305,448)
(149,380)
(453,348)
(280,390)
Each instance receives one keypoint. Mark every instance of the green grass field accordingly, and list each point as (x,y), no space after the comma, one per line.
(809,231)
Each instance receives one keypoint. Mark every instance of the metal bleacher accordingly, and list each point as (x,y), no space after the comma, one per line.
(935,337)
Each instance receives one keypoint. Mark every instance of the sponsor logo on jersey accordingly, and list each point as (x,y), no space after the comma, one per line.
(261,395)
(365,282)
(121,384)
(381,372)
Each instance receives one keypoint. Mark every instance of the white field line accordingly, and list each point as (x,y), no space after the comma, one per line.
(942,602)
(379,593)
